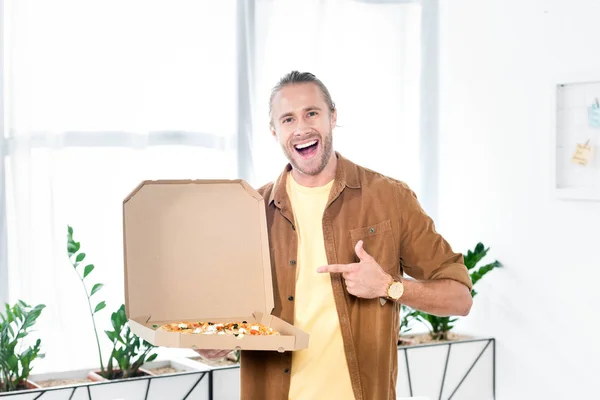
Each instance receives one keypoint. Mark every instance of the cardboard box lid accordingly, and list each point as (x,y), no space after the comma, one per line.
(196,249)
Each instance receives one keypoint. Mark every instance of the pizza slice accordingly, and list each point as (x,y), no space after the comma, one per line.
(237,329)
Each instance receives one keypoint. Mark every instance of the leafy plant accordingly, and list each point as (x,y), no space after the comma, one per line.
(76,257)
(129,352)
(15,365)
(472,258)
(439,327)
(407,314)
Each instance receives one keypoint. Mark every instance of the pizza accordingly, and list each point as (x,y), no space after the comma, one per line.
(237,329)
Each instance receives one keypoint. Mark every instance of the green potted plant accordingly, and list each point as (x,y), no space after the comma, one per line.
(440,327)
(16,363)
(407,315)
(128,351)
(76,258)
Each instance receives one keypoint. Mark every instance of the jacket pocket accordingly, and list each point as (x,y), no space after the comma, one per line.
(378,241)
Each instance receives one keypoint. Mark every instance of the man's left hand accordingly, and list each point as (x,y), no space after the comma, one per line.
(364,279)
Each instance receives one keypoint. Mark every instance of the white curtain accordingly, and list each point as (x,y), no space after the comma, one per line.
(102,95)
(368,54)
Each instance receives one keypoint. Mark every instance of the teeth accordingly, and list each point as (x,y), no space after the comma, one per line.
(302,146)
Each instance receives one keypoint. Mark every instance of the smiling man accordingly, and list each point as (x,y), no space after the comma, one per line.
(342,237)
(302,120)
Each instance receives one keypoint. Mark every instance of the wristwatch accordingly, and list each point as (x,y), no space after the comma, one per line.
(395,290)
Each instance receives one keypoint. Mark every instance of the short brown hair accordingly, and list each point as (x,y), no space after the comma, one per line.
(296,77)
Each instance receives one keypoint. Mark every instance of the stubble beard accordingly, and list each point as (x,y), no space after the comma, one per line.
(326,144)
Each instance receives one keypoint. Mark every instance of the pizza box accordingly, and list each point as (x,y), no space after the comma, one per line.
(198,251)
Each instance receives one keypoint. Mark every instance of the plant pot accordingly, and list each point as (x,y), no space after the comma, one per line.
(26,385)
(31,385)
(61,378)
(168,367)
(96,377)
(426,338)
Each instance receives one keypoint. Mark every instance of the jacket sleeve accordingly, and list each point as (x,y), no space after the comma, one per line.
(424,253)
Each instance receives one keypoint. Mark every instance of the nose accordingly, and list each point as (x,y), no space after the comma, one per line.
(303,127)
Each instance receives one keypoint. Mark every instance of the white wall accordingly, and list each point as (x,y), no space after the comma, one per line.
(498,62)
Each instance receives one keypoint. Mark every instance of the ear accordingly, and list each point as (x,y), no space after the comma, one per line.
(333,119)
(274,133)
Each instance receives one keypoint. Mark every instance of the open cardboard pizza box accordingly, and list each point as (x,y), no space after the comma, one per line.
(198,250)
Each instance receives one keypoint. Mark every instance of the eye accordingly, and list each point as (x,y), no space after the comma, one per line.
(286,120)
(313,114)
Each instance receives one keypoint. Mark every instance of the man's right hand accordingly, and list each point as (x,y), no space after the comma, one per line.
(210,354)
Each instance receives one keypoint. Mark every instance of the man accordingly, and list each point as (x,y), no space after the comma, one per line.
(341,238)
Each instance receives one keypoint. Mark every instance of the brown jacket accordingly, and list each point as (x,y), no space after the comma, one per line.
(386,215)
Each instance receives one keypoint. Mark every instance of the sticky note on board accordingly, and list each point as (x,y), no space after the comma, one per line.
(583,154)
(594,115)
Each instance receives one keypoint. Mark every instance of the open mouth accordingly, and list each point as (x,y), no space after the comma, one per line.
(307,149)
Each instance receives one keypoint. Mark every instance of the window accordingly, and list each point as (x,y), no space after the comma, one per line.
(100,96)
(369,57)
(133,66)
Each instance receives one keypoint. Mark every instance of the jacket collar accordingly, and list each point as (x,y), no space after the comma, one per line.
(346,175)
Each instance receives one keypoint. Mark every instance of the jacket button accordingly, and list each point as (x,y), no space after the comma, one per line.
(287,370)
(372,230)
(292,262)
(291,298)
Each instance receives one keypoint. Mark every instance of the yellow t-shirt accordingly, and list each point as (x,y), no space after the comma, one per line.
(321,371)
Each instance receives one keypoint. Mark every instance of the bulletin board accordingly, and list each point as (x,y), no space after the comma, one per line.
(577,141)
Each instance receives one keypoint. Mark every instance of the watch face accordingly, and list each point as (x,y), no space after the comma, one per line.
(396,289)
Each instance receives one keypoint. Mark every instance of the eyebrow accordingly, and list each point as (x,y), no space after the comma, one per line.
(306,109)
